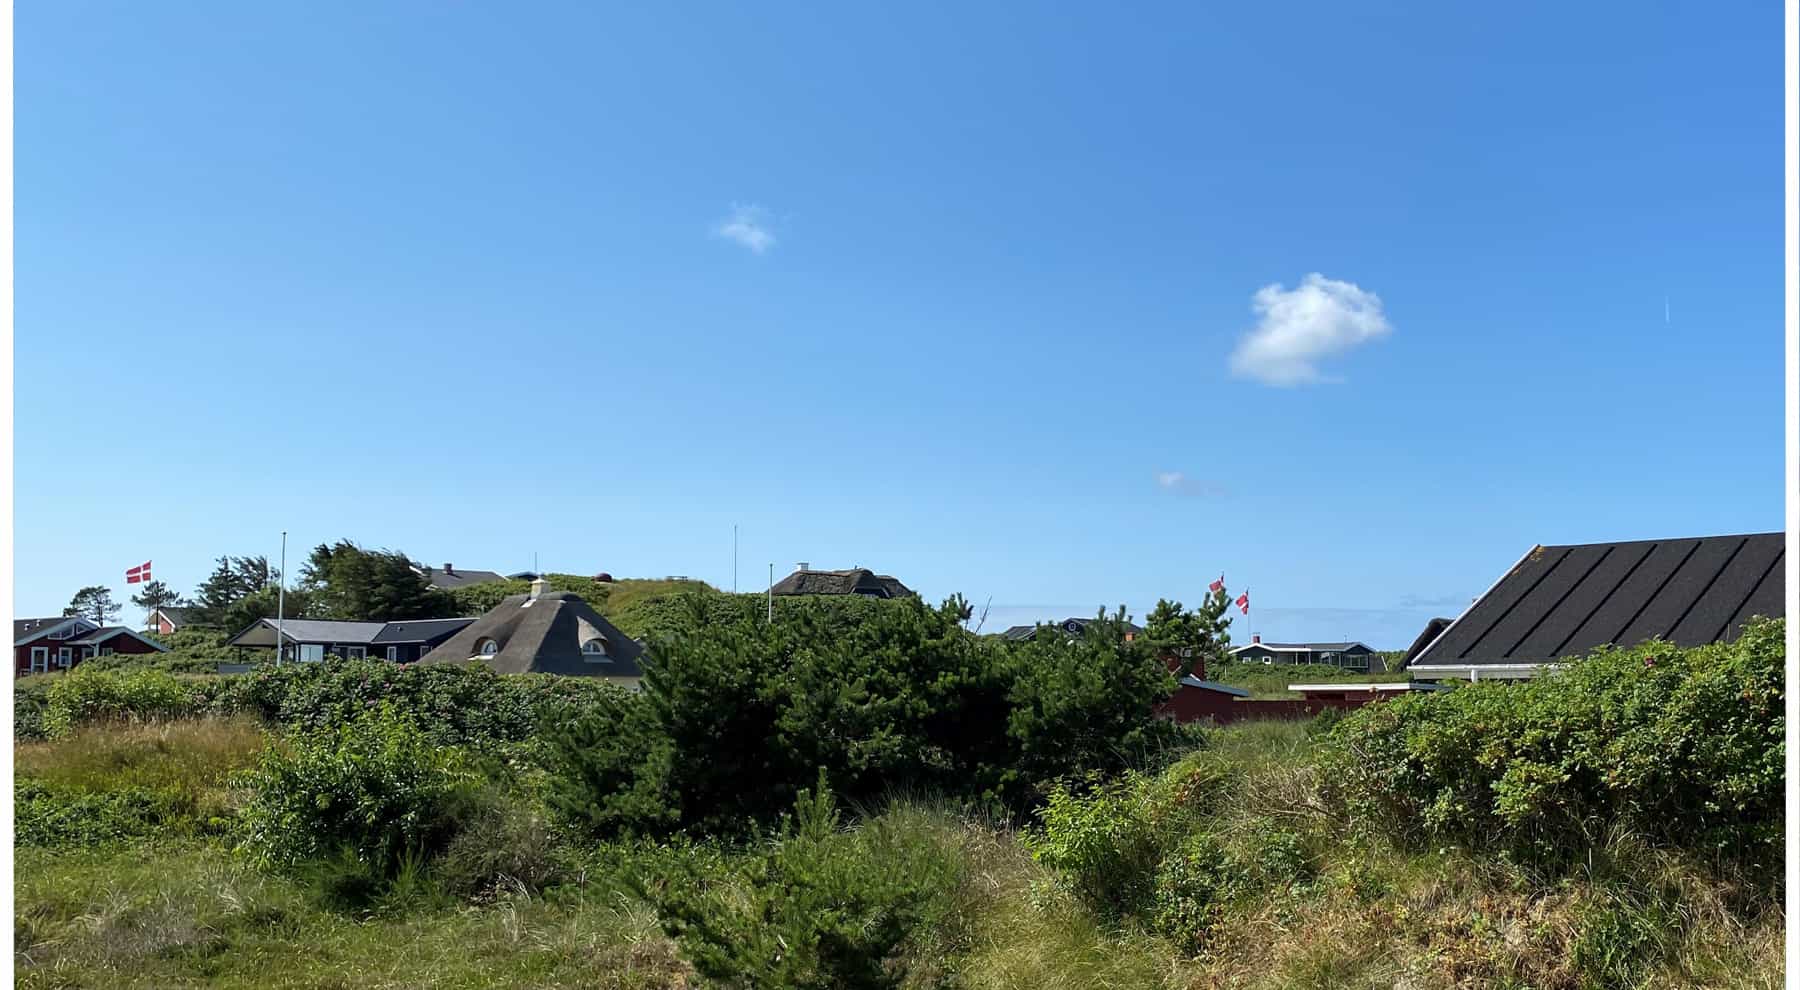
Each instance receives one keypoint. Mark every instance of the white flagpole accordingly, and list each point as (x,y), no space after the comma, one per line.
(281,600)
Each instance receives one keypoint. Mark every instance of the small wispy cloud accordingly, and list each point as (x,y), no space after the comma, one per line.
(1433,601)
(1297,327)
(1178,483)
(748,225)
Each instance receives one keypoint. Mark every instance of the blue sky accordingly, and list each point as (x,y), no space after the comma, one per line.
(967,296)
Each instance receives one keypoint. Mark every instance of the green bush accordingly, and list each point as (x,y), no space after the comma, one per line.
(84,696)
(1186,899)
(1682,746)
(31,701)
(1104,843)
(502,845)
(609,770)
(378,787)
(817,908)
(48,816)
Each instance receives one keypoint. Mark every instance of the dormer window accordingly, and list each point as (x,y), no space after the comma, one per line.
(486,648)
(594,651)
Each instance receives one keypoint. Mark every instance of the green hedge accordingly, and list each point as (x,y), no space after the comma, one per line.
(459,705)
(1683,746)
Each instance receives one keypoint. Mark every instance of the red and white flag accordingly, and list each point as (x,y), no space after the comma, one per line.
(138,575)
(1243,601)
(1218,585)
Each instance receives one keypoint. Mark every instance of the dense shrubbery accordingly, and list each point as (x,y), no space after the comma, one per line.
(81,697)
(818,907)
(739,715)
(104,783)
(375,786)
(457,704)
(1682,746)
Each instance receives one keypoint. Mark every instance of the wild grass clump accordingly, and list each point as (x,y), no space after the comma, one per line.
(820,906)
(102,784)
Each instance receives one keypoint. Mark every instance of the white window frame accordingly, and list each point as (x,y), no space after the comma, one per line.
(393,653)
(595,656)
(311,652)
(40,660)
(481,648)
(65,655)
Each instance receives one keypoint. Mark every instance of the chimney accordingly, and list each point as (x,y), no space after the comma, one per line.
(449,570)
(803,566)
(538,587)
(1255,638)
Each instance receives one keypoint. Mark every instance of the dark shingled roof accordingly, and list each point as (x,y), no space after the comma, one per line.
(1432,630)
(437,577)
(1073,626)
(543,636)
(106,633)
(25,627)
(1566,601)
(855,581)
(418,630)
(179,615)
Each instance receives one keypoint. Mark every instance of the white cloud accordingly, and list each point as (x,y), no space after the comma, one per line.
(1297,327)
(747,225)
(1179,483)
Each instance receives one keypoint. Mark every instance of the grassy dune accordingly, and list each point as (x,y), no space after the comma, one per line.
(177,907)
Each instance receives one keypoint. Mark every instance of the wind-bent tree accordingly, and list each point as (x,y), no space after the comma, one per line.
(93,602)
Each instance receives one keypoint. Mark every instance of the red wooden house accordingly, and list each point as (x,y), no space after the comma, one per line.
(44,645)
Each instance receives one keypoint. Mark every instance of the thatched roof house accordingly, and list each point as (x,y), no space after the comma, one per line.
(545,632)
(855,581)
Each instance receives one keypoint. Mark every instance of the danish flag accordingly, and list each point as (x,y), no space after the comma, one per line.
(1243,602)
(1218,585)
(138,575)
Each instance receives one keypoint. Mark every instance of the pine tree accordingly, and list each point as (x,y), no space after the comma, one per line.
(154,596)
(1199,639)
(93,602)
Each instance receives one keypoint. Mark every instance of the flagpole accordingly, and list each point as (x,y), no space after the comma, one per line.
(281,600)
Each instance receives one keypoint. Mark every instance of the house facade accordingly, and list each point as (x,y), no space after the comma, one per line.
(1347,656)
(172,617)
(41,646)
(312,640)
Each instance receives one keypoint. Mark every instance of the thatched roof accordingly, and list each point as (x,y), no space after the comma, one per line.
(543,635)
(855,581)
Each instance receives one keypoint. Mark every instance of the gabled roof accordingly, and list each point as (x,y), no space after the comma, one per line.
(418,630)
(1194,682)
(855,581)
(26,630)
(262,632)
(178,615)
(1566,601)
(1432,630)
(543,635)
(1073,626)
(437,577)
(109,633)
(1301,647)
